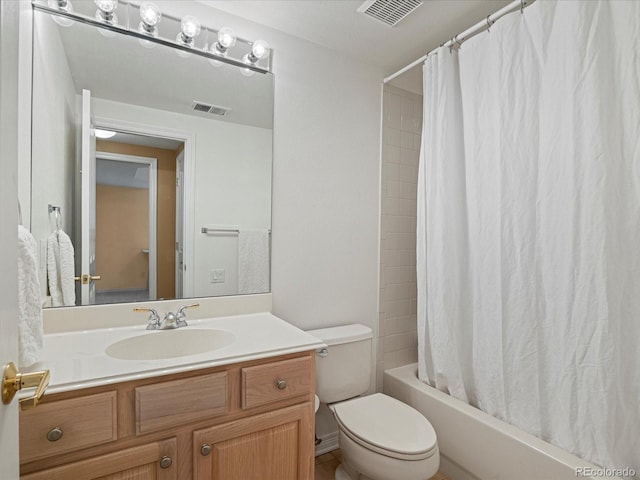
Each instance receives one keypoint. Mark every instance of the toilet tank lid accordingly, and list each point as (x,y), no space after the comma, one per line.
(342,334)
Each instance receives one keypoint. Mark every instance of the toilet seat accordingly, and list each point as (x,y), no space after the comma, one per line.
(387,426)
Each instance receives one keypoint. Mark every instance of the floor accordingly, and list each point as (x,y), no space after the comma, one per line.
(120,296)
(326,466)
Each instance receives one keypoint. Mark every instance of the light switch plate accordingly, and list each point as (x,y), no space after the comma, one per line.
(216,275)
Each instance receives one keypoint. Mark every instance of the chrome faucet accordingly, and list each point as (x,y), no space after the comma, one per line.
(176,320)
(171,320)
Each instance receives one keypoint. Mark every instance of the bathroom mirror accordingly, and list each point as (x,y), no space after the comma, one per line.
(176,203)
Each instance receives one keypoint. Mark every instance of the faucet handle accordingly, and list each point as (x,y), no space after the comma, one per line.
(184,307)
(154,318)
(180,315)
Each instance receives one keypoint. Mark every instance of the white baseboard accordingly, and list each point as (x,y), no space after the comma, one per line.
(329,442)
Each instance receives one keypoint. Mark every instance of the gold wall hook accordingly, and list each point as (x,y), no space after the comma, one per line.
(14,381)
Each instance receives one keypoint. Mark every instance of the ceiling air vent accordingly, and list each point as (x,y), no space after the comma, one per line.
(213,109)
(389,12)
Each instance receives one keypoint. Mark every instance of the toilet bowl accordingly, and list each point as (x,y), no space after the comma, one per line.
(383,438)
(380,437)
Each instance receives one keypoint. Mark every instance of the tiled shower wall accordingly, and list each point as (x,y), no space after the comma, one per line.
(397,331)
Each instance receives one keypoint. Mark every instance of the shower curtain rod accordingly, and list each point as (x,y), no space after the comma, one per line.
(479,27)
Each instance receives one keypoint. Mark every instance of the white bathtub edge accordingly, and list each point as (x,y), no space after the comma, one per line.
(488,448)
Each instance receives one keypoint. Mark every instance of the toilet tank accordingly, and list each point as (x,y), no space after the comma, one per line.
(344,370)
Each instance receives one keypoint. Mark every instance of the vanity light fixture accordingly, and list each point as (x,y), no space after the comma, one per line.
(259,49)
(226,40)
(63,6)
(189,29)
(104,133)
(250,57)
(150,16)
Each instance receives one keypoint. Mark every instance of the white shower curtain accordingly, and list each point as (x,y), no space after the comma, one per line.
(529,225)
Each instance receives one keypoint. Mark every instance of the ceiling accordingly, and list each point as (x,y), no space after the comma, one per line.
(337,25)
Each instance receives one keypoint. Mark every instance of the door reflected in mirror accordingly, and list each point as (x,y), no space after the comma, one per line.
(137,246)
(177,203)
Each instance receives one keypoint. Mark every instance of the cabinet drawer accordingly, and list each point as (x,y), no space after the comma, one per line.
(156,461)
(169,404)
(68,425)
(276,381)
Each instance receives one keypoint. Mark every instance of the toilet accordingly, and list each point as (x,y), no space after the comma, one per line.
(380,437)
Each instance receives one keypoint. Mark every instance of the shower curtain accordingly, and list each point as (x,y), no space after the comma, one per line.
(528,248)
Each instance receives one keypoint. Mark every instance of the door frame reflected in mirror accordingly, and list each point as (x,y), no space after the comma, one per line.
(188,200)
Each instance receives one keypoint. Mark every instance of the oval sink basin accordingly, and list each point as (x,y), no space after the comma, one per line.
(170,344)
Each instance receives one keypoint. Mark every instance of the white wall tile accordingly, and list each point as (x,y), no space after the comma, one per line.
(393,154)
(397,330)
(393,137)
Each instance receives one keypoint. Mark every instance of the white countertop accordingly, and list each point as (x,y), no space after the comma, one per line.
(78,359)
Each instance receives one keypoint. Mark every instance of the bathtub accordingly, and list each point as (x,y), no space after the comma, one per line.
(476,446)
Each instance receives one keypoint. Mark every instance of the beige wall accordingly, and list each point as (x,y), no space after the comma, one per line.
(166,208)
(122,231)
(397,329)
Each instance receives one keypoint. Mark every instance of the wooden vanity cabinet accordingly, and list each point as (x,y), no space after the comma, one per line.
(251,420)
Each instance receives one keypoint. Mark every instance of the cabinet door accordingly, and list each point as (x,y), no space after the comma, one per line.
(153,461)
(272,446)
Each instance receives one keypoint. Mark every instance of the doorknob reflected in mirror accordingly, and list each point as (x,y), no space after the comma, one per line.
(13,381)
(86,278)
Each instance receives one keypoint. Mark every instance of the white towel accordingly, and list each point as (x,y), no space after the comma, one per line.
(60,269)
(29,305)
(253,261)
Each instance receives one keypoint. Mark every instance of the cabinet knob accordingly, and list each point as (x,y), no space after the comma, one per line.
(281,384)
(205,449)
(165,462)
(54,434)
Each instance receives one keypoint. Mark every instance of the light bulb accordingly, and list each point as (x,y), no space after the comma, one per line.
(106,6)
(63,6)
(226,37)
(150,15)
(190,27)
(260,49)
(106,14)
